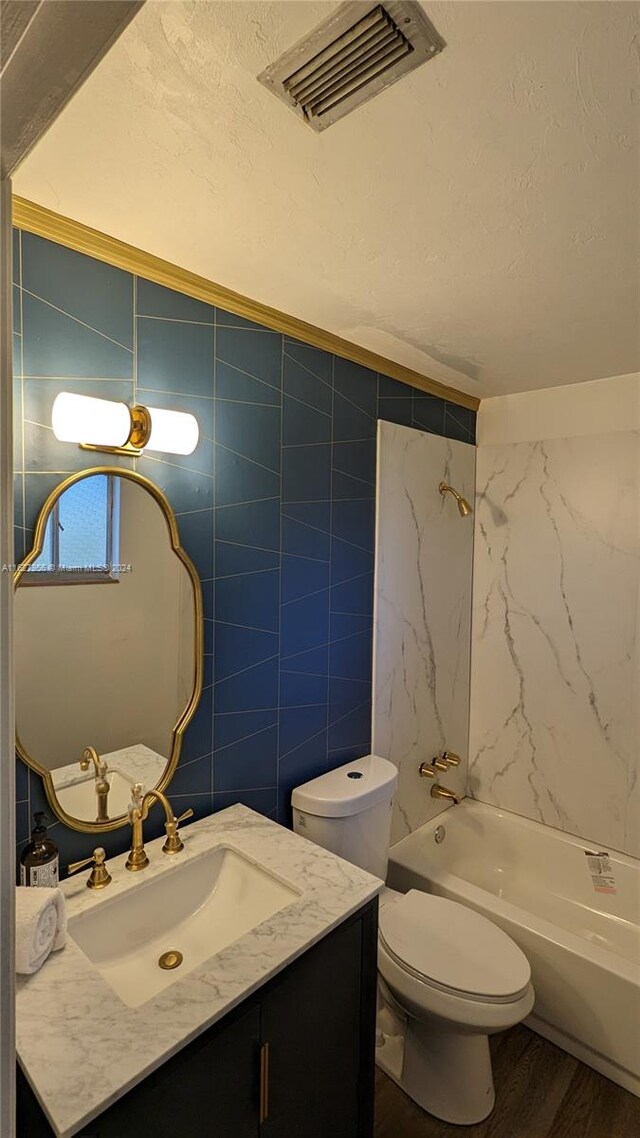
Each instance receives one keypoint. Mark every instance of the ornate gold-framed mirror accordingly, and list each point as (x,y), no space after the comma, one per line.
(108,645)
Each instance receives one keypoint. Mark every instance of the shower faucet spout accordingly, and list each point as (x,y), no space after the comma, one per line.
(438,791)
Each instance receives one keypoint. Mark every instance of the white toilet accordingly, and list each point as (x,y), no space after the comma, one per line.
(448,977)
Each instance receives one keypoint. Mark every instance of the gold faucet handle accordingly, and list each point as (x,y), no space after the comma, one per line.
(99,877)
(451,759)
(87,758)
(90,755)
(428,770)
(137,793)
(174,842)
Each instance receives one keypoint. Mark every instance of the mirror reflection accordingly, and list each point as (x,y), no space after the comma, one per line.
(107,646)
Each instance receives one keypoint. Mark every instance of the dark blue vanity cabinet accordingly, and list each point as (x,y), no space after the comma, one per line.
(295,1060)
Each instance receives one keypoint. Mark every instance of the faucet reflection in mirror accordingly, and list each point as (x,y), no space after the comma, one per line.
(101,424)
(90,755)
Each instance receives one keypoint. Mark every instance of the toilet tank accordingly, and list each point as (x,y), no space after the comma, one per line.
(348,811)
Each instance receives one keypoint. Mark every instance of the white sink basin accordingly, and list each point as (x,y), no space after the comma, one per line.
(194,910)
(80,800)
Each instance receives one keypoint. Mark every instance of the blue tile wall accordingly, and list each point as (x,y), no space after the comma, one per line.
(276,507)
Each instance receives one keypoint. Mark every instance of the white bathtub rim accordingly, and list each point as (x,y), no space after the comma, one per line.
(473,894)
(572,942)
(478,805)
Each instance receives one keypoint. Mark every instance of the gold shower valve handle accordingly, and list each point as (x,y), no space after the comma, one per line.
(439,764)
(451,759)
(425,770)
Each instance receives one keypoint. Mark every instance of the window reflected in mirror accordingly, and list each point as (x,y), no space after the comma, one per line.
(82,536)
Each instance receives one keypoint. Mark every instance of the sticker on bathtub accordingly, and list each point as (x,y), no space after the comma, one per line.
(601,871)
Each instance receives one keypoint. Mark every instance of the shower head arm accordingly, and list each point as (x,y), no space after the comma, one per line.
(463,505)
(445,488)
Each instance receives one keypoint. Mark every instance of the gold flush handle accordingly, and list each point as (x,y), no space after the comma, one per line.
(99,877)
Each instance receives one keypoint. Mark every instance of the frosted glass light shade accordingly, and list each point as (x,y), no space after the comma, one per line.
(102,423)
(174,432)
(83,419)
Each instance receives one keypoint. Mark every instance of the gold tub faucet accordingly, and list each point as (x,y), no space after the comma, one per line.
(438,791)
(428,770)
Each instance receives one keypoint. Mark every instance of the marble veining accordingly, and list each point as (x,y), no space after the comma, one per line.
(67,1011)
(555,666)
(424,553)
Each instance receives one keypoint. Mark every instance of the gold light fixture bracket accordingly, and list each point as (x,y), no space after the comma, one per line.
(140,427)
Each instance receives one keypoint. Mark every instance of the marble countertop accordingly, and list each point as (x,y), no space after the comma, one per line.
(81,1048)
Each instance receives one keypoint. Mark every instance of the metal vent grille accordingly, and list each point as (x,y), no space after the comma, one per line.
(358,52)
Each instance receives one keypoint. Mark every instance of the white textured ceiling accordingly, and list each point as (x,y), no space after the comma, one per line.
(478,221)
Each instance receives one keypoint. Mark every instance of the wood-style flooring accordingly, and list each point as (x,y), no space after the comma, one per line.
(541,1092)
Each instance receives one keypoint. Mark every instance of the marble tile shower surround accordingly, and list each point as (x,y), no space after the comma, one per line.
(424,554)
(555,706)
(275,507)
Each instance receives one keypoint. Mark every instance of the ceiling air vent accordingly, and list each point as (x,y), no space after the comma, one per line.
(352,56)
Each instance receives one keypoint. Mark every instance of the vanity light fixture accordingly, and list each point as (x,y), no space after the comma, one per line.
(100,424)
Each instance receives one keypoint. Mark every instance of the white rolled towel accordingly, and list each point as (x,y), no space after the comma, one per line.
(41,926)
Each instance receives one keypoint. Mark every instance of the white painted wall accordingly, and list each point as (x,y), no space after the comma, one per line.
(598,407)
(554,732)
(424,553)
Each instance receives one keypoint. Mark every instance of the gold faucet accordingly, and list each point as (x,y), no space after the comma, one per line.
(90,755)
(438,791)
(138,812)
(428,770)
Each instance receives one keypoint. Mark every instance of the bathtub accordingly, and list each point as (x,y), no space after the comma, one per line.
(535,883)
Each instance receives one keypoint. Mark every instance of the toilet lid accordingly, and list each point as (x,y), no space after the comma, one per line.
(453,946)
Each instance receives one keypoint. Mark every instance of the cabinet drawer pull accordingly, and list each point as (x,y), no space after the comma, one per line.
(264,1082)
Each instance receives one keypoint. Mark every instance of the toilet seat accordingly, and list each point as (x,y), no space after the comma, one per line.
(453,949)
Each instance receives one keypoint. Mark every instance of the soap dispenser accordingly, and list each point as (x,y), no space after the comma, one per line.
(39,861)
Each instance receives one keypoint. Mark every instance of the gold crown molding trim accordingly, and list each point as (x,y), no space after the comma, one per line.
(45,223)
